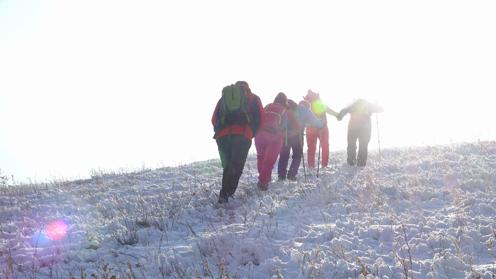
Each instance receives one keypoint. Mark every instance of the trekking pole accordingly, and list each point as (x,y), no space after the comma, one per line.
(378,135)
(303,155)
(318,161)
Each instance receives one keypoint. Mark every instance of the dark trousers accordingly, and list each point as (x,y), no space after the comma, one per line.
(361,133)
(294,143)
(233,150)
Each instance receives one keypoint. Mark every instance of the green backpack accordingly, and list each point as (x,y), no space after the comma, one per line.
(233,107)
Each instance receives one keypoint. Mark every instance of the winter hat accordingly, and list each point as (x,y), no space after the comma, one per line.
(311,96)
(304,103)
(281,99)
(291,104)
(243,84)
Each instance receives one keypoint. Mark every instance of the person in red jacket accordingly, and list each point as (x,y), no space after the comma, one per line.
(270,139)
(233,137)
(322,134)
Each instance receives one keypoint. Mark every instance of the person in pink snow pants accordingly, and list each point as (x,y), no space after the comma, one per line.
(269,139)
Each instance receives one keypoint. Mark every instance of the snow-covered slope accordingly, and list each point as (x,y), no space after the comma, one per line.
(423,213)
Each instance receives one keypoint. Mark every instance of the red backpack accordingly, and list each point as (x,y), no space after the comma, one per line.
(273,118)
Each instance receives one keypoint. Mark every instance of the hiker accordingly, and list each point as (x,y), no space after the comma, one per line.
(299,116)
(270,139)
(359,128)
(322,134)
(236,119)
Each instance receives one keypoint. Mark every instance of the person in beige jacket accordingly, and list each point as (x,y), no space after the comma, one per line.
(359,128)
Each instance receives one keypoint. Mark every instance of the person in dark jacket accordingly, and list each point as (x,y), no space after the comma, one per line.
(359,128)
(234,140)
(299,117)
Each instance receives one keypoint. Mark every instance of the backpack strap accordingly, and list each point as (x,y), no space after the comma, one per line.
(285,129)
(244,103)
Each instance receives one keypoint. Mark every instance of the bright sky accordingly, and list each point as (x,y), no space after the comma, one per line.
(120,84)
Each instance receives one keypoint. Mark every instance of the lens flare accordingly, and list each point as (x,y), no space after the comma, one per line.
(318,107)
(56,230)
(40,239)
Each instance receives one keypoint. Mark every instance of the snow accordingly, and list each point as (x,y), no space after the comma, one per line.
(419,212)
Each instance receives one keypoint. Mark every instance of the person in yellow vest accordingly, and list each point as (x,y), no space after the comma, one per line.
(322,134)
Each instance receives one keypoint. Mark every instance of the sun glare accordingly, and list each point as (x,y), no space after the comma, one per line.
(56,230)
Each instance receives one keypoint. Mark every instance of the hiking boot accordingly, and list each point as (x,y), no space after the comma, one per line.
(281,178)
(292,178)
(222,200)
